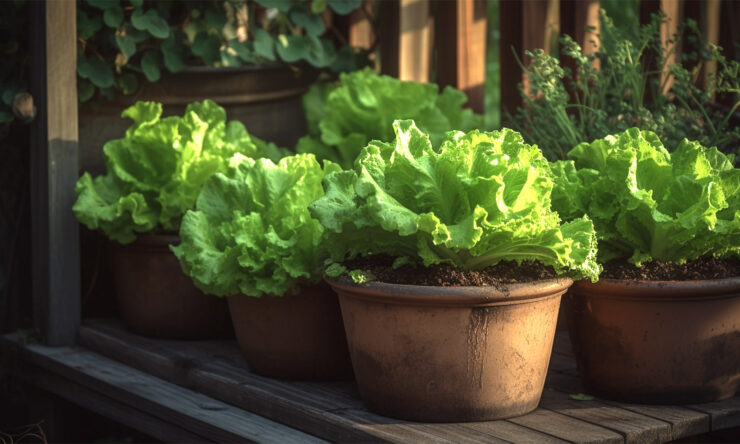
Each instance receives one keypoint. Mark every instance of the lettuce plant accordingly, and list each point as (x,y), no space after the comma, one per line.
(154,173)
(480,198)
(251,232)
(649,204)
(343,119)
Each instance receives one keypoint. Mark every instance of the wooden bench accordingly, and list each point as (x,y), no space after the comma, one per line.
(204,391)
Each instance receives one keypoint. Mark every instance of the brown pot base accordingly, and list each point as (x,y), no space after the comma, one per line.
(657,342)
(450,354)
(155,298)
(296,337)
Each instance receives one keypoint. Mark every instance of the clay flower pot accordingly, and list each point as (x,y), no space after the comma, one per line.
(154,296)
(298,337)
(657,342)
(447,354)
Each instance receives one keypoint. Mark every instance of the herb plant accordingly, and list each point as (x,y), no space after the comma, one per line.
(155,172)
(121,39)
(251,232)
(343,119)
(478,199)
(565,108)
(648,204)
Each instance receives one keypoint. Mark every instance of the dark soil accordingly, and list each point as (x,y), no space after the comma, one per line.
(703,268)
(448,276)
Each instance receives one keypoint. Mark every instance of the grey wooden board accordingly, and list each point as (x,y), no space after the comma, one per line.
(725,414)
(683,421)
(109,408)
(192,411)
(334,410)
(634,427)
(568,428)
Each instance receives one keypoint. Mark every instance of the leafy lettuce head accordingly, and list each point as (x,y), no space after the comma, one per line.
(154,173)
(648,204)
(481,198)
(251,232)
(343,119)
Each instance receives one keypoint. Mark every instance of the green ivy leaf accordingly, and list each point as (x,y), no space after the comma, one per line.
(151,22)
(103,4)
(215,18)
(344,7)
(137,3)
(128,83)
(150,65)
(292,48)
(85,90)
(173,51)
(126,44)
(581,397)
(113,16)
(108,93)
(313,24)
(245,50)
(207,47)
(87,26)
(229,57)
(138,36)
(264,44)
(346,60)
(318,6)
(321,53)
(280,5)
(95,70)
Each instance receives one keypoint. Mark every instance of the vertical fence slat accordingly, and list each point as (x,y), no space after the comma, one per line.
(510,45)
(461,48)
(54,241)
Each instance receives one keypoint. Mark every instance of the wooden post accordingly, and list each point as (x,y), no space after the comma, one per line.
(510,45)
(406,39)
(54,240)
(461,48)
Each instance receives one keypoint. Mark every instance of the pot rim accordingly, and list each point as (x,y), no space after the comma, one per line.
(646,290)
(465,296)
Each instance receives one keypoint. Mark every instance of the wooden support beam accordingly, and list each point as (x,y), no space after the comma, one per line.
(360,33)
(54,241)
(406,39)
(510,46)
(461,48)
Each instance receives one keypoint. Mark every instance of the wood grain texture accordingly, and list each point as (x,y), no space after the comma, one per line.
(335,412)
(460,33)
(414,41)
(724,414)
(567,428)
(634,427)
(189,410)
(54,229)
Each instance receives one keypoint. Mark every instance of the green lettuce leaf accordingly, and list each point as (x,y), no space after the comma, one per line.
(251,232)
(342,120)
(155,172)
(649,204)
(480,198)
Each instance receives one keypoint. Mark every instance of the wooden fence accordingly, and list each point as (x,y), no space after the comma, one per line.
(413,34)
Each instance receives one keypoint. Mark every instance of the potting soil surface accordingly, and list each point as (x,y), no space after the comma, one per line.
(445,275)
(705,267)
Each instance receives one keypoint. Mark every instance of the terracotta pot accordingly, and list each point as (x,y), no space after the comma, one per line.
(657,342)
(445,354)
(266,98)
(154,296)
(297,336)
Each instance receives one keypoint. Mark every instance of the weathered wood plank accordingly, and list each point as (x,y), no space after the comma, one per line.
(634,427)
(414,41)
(333,411)
(724,414)
(184,408)
(512,432)
(109,408)
(54,231)
(684,422)
(567,428)
(460,33)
